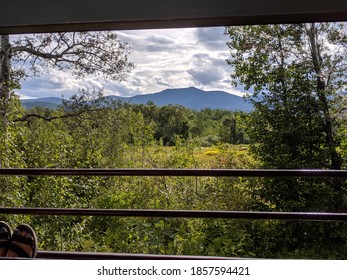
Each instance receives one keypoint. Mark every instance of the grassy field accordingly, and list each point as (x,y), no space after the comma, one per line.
(220,156)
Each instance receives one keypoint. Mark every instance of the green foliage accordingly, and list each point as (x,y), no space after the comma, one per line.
(121,136)
(88,133)
(294,72)
(207,126)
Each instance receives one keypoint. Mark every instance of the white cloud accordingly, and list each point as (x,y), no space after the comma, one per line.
(211,38)
(165,58)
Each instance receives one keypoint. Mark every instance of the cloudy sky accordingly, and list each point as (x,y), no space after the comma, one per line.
(166,58)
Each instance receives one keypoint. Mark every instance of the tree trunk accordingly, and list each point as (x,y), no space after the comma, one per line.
(335,158)
(5,73)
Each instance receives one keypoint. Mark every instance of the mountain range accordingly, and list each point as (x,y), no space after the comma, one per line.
(191,98)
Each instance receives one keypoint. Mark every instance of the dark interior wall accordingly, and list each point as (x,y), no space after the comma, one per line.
(18,16)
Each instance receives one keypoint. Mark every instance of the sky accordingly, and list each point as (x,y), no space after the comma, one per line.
(163,58)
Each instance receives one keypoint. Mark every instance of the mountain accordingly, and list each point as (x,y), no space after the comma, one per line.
(191,98)
(45,102)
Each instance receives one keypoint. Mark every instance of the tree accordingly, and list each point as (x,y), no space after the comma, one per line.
(293,64)
(296,74)
(170,121)
(81,53)
(233,126)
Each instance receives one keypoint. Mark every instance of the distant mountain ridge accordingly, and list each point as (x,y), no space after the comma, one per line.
(45,102)
(191,98)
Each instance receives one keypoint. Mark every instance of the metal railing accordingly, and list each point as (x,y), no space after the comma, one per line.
(151,213)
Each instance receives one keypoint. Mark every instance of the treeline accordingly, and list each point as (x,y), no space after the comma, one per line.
(208,127)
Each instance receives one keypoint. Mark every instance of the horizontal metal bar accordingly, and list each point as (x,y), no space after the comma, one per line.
(151,213)
(118,256)
(319,173)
